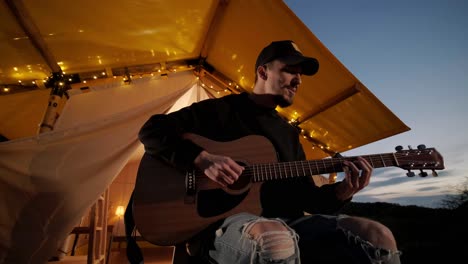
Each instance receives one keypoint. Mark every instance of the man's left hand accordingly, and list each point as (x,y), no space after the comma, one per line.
(357,176)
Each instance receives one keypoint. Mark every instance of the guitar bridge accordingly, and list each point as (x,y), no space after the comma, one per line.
(190,187)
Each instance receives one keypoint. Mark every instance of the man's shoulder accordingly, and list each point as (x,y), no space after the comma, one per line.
(228,101)
(231,99)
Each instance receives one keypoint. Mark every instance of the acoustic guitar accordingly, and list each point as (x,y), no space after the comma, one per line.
(171,206)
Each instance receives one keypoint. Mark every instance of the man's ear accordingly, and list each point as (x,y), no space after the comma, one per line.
(261,71)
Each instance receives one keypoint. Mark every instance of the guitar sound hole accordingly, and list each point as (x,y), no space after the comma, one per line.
(215,202)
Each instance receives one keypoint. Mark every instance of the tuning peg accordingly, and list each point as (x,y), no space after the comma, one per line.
(409,147)
(421,147)
(434,173)
(410,174)
(398,148)
(423,173)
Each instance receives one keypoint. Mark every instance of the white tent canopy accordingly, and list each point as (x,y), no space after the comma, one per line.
(54,177)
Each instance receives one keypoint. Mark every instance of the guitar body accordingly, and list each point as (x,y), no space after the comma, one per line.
(166,213)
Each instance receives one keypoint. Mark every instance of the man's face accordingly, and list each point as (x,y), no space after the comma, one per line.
(282,81)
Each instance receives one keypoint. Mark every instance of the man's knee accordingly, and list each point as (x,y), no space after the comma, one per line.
(374,232)
(274,240)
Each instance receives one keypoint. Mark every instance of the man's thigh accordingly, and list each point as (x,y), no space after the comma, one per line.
(321,240)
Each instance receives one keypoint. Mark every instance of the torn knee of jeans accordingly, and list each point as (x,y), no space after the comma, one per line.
(272,243)
(375,254)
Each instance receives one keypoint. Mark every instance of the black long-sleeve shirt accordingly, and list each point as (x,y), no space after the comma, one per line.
(229,118)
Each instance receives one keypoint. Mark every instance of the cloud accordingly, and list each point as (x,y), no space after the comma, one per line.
(432,201)
(432,188)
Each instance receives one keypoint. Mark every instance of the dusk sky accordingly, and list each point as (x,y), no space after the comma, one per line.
(413,55)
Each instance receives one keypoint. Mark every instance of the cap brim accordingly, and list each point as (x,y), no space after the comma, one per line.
(309,65)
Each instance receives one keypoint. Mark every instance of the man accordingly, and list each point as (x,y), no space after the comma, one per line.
(282,234)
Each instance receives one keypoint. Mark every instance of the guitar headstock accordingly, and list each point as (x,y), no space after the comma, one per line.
(421,159)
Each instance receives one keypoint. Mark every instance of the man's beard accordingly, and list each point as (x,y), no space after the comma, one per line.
(281,101)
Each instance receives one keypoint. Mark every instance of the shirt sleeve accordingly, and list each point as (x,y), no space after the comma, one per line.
(162,135)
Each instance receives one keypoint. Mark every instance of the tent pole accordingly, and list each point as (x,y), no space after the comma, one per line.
(18,9)
(24,19)
(58,89)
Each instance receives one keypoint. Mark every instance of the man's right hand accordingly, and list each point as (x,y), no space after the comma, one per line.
(220,169)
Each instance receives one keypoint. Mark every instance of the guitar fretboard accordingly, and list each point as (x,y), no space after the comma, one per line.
(294,169)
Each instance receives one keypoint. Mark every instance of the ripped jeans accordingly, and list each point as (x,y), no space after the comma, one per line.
(309,239)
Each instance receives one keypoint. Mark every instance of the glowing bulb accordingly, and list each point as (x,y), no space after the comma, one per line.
(120,211)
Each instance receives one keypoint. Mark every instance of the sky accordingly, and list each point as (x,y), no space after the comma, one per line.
(413,55)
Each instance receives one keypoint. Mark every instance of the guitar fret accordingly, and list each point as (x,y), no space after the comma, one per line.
(276,174)
(290,169)
(266,172)
(310,169)
(259,172)
(395,159)
(303,169)
(269,169)
(285,170)
(383,161)
(333,164)
(263,171)
(254,170)
(253,173)
(371,161)
(318,170)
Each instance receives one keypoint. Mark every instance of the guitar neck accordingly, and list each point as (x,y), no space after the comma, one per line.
(294,169)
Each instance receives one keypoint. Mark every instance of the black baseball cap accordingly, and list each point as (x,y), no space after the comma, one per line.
(287,52)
